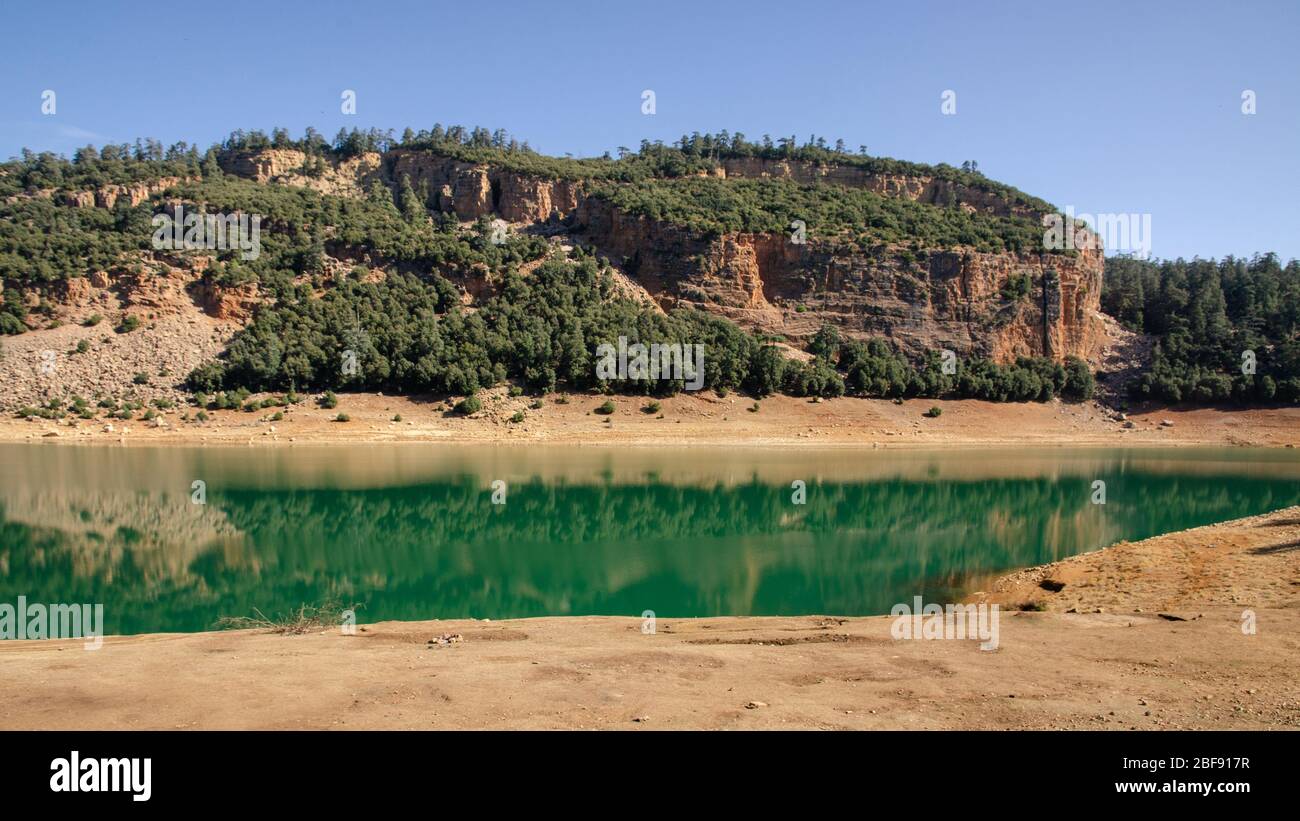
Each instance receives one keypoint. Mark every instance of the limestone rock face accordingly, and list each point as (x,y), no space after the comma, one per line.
(79,199)
(471,191)
(924,189)
(263,166)
(108,195)
(938,300)
(934,299)
(233,303)
(530,199)
(347,177)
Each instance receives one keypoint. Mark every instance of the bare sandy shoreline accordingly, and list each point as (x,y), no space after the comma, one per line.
(1143,635)
(688,420)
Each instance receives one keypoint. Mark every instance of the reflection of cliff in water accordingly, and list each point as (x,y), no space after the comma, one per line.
(441,549)
(163,533)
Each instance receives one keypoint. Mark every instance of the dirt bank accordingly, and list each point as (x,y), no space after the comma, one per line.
(686,419)
(1141,635)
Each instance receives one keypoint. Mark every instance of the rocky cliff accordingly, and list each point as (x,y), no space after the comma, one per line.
(923,300)
(107,196)
(923,188)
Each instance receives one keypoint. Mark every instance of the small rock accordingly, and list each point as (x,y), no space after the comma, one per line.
(754,705)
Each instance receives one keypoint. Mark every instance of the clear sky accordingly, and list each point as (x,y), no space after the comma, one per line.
(1114,107)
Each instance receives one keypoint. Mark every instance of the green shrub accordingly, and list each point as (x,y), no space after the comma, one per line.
(605,408)
(469,405)
(1016,287)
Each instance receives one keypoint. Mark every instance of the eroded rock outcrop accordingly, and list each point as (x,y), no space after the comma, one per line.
(471,190)
(108,195)
(922,300)
(920,188)
(926,301)
(346,177)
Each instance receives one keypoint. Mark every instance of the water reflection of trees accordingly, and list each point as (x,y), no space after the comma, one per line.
(443,550)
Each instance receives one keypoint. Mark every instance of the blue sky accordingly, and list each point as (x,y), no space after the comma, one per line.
(1119,107)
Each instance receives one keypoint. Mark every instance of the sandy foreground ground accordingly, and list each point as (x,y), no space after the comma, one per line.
(686,419)
(1145,635)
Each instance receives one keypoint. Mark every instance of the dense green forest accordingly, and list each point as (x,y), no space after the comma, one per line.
(713,207)
(409,334)
(409,329)
(1224,330)
(689,155)
(1209,318)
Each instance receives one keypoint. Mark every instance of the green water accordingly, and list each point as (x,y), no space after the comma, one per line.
(411,532)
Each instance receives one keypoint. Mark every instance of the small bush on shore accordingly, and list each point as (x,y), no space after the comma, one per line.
(306,619)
